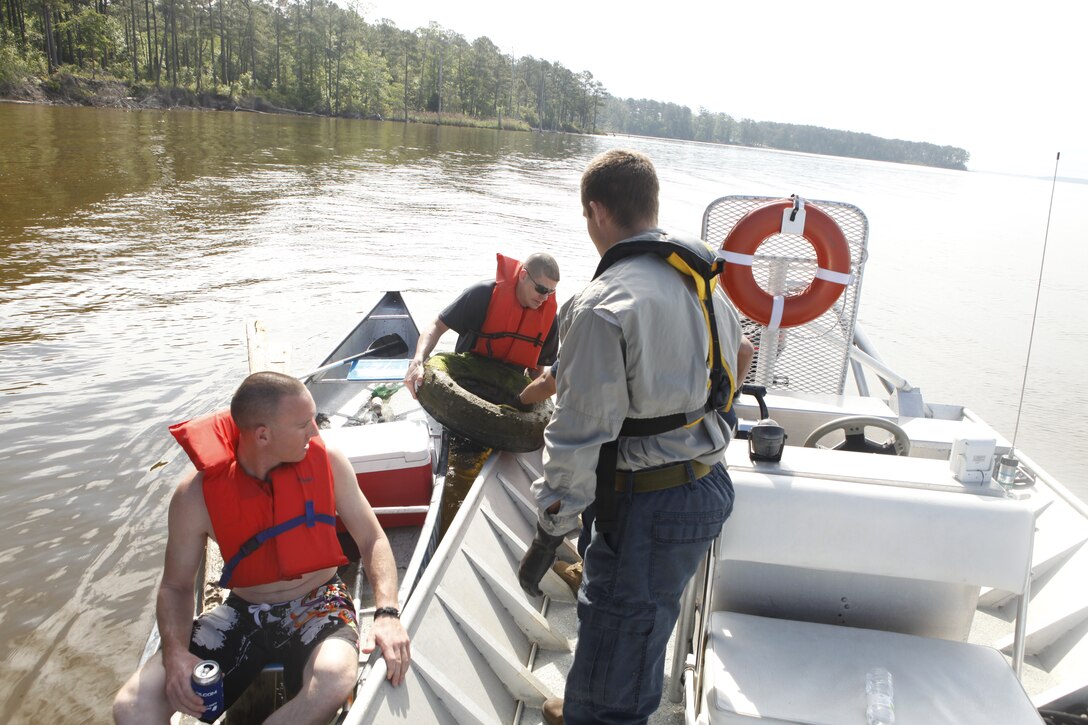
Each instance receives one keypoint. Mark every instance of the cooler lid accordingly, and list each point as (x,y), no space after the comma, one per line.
(382,446)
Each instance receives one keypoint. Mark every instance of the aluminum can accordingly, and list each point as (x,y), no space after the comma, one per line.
(208,683)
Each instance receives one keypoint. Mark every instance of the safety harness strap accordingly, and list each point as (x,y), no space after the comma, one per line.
(254,542)
(694,259)
(489,336)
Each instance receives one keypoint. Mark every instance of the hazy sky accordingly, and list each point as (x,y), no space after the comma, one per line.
(1004,81)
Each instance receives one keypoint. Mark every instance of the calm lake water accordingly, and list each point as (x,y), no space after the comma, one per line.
(136,245)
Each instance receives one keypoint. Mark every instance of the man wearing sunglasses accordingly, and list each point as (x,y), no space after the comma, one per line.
(511,318)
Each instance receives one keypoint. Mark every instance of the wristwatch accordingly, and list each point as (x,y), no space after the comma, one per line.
(387,612)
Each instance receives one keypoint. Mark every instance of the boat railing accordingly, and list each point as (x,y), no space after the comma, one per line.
(863,354)
(862,342)
(386,510)
(1040,475)
(906,399)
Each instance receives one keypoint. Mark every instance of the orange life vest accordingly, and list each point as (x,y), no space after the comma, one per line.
(266,532)
(512,333)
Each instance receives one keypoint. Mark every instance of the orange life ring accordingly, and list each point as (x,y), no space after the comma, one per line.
(832,258)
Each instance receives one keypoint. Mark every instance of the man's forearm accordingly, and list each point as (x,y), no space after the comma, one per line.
(381,572)
(428,340)
(413,378)
(174,613)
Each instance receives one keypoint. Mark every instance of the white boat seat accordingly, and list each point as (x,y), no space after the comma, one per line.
(779,671)
(871,575)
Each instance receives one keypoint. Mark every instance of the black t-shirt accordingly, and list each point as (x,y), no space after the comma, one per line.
(466,315)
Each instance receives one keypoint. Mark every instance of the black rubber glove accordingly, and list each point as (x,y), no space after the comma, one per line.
(538,559)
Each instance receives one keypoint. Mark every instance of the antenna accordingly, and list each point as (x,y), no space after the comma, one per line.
(1008,464)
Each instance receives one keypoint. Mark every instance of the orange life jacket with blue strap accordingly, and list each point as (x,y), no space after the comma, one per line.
(266,532)
(512,333)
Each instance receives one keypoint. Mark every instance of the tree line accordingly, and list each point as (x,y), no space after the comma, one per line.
(669,120)
(321,57)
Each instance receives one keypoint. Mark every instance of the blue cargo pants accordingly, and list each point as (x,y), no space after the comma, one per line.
(632,581)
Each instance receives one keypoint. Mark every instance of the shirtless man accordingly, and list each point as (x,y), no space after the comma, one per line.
(258,466)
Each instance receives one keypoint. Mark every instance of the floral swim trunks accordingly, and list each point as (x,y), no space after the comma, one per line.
(244,637)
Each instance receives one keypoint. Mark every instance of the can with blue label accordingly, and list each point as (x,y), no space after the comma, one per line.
(208,683)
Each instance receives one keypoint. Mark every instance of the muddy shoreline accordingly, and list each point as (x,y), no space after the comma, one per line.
(64,89)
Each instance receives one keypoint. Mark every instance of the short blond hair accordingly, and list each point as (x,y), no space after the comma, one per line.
(540,264)
(257,399)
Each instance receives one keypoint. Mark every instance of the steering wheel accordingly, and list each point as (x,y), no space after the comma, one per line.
(853,426)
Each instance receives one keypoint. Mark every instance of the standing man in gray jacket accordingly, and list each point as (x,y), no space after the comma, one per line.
(652,356)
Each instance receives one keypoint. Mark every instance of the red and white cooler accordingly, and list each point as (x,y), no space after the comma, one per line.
(392,462)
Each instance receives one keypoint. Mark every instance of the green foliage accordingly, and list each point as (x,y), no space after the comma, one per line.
(18,67)
(321,56)
(93,36)
(242,87)
(120,69)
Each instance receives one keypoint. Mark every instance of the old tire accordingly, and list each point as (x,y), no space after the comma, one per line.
(478,398)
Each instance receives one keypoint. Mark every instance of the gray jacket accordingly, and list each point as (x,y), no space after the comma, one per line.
(634,344)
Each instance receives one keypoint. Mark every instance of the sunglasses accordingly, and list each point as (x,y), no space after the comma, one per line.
(540,289)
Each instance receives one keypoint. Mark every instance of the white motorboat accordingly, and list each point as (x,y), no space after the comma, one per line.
(967,588)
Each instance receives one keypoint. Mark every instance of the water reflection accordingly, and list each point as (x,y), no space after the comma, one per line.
(135,246)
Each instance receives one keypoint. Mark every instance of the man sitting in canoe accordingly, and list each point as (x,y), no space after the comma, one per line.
(510,318)
(267,490)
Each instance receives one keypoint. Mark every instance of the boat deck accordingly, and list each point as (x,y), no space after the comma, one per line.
(485,652)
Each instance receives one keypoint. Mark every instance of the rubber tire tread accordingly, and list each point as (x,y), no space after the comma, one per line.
(500,427)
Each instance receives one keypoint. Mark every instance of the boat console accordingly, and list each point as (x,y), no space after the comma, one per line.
(836,562)
(932,436)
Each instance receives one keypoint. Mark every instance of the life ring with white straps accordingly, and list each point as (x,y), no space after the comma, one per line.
(787,216)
